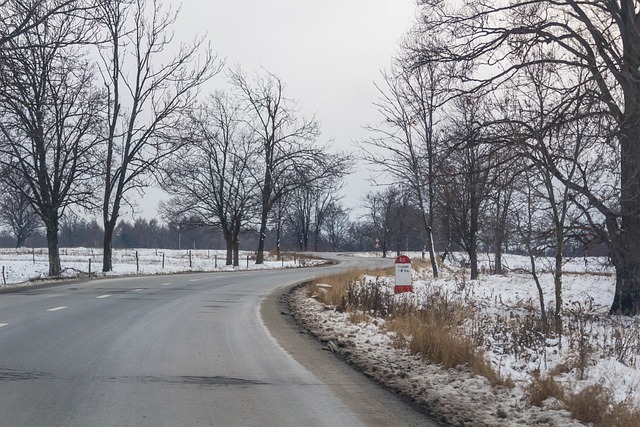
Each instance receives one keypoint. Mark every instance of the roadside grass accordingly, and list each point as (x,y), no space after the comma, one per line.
(449,330)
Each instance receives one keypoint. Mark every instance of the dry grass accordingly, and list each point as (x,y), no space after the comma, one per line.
(448,331)
(542,388)
(331,290)
(594,405)
(358,317)
(591,405)
(436,333)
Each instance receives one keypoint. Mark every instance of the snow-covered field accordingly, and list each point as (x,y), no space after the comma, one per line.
(24,264)
(607,347)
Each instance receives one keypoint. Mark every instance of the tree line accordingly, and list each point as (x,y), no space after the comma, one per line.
(514,126)
(98,101)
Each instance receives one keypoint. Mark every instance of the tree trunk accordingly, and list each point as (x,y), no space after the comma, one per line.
(266,195)
(473,241)
(229,245)
(626,242)
(21,238)
(235,239)
(107,247)
(55,268)
(557,278)
(236,252)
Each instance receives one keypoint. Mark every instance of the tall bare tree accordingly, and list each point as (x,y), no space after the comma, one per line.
(601,38)
(149,93)
(471,162)
(50,119)
(404,144)
(212,179)
(291,156)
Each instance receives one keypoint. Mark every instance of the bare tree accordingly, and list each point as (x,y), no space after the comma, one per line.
(50,116)
(212,178)
(289,147)
(309,206)
(601,38)
(18,17)
(471,162)
(148,97)
(336,226)
(18,215)
(403,145)
(381,217)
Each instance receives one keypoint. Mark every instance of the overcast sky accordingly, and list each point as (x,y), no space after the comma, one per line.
(327,52)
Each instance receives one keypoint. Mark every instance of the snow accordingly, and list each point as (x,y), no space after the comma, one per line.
(611,344)
(20,266)
(455,396)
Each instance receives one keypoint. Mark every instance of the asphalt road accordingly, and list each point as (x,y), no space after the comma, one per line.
(182,350)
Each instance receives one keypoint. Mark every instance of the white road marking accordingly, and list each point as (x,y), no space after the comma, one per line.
(194,280)
(58,308)
(137,290)
(103,296)
(2,325)
(165,284)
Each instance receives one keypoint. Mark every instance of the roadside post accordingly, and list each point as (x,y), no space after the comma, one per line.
(403,275)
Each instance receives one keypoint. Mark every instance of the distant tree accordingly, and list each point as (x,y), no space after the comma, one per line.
(18,216)
(382,217)
(78,232)
(212,180)
(289,148)
(336,226)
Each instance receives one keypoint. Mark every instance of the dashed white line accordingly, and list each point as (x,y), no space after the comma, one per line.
(103,296)
(2,325)
(194,280)
(58,308)
(137,290)
(165,284)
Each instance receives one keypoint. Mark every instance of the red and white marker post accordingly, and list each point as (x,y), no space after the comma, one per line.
(403,275)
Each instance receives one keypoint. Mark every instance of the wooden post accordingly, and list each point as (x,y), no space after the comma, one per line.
(137,263)
(89,267)
(163,261)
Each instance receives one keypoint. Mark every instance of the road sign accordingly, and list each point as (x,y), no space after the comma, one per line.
(403,275)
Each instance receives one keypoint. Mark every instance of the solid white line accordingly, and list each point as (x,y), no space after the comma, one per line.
(103,296)
(137,290)
(58,308)
(2,325)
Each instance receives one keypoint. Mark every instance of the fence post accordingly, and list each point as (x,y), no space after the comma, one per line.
(190,264)
(247,261)
(137,263)
(89,267)
(163,261)
(33,253)
(215,257)
(4,278)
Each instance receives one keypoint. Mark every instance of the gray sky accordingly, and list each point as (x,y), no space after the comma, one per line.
(327,52)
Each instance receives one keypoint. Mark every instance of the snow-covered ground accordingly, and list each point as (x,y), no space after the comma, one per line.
(611,344)
(456,396)
(19,266)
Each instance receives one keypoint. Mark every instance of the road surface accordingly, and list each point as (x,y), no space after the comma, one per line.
(180,350)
